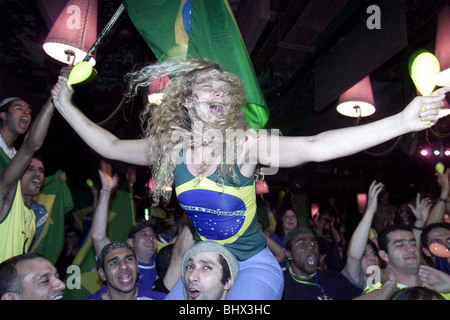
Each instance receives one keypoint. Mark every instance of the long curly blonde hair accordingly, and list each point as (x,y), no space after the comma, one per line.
(169,126)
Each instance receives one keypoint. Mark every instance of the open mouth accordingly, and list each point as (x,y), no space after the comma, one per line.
(37,183)
(311,259)
(193,293)
(217,110)
(126,278)
(23,122)
(59,297)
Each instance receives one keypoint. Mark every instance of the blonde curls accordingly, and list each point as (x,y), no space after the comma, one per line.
(168,125)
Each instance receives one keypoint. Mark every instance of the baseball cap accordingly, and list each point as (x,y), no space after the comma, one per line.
(138,227)
(7,100)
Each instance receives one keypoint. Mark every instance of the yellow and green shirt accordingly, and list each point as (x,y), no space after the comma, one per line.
(17,227)
(225,213)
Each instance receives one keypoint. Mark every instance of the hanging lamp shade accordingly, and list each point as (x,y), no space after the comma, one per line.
(357,101)
(156,89)
(261,187)
(442,49)
(73,33)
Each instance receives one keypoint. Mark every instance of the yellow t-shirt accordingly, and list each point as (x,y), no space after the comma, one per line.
(17,228)
(399,287)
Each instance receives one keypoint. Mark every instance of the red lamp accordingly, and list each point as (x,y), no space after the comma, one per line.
(361,198)
(74,32)
(442,49)
(156,89)
(357,101)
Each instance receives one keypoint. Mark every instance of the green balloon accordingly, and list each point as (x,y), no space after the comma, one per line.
(80,72)
(89,182)
(440,167)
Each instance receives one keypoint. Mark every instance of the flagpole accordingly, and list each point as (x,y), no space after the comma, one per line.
(105,30)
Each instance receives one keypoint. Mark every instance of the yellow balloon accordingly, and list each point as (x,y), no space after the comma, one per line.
(424,69)
(80,72)
(439,167)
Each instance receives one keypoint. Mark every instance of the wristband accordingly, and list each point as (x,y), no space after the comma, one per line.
(443,200)
(105,190)
(46,109)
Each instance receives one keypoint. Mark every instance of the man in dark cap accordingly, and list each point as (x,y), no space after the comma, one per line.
(117,266)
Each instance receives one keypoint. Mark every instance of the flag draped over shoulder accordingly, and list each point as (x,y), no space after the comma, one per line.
(121,218)
(200,29)
(57,199)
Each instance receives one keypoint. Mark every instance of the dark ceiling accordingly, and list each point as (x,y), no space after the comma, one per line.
(289,42)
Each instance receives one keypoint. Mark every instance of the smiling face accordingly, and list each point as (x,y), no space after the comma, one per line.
(32,178)
(289,221)
(17,119)
(144,244)
(402,254)
(304,251)
(120,270)
(40,280)
(203,277)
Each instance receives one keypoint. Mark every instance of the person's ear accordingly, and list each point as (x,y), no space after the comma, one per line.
(229,283)
(102,275)
(288,254)
(8,296)
(3,115)
(426,252)
(130,243)
(383,255)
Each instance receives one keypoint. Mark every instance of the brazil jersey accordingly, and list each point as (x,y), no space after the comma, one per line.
(225,213)
(17,227)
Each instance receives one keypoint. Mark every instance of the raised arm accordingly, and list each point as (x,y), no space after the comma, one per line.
(99,139)
(100,220)
(184,242)
(358,242)
(438,210)
(328,145)
(32,142)
(421,212)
